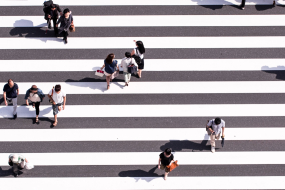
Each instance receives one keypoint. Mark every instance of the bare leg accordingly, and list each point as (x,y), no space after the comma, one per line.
(108,81)
(166,175)
(55,120)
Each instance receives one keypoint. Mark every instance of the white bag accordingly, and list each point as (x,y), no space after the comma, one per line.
(29,166)
(99,73)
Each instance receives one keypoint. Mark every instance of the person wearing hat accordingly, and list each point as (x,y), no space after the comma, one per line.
(214,129)
(36,96)
(51,13)
(17,161)
(165,159)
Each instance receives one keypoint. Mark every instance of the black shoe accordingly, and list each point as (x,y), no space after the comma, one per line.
(65,41)
(16,175)
(273,3)
(15,116)
(49,26)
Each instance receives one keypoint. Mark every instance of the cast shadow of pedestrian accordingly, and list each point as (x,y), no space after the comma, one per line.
(26,28)
(187,145)
(263,7)
(8,172)
(96,83)
(279,71)
(141,174)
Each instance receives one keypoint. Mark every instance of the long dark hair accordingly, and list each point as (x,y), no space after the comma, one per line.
(140,47)
(109,58)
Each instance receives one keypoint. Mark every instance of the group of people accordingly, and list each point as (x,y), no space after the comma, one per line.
(65,20)
(243,4)
(133,59)
(57,98)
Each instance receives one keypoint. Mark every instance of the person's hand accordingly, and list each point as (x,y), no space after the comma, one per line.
(158,166)
(53,103)
(49,16)
(56,25)
(60,13)
(6,103)
(27,103)
(63,107)
(135,41)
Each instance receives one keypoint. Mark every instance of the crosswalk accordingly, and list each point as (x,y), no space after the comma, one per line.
(203,59)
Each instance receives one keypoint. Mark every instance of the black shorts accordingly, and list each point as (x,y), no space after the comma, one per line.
(141,66)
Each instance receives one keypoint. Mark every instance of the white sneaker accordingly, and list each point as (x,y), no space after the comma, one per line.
(213,149)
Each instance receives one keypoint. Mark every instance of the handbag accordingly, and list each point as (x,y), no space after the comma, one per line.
(51,96)
(137,58)
(99,73)
(172,166)
(132,68)
(72,28)
(29,166)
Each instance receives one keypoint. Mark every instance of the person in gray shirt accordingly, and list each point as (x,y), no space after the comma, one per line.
(214,129)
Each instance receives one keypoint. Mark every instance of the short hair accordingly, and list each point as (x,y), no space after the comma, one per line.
(128,54)
(66,11)
(218,121)
(57,87)
(34,87)
(167,151)
(9,80)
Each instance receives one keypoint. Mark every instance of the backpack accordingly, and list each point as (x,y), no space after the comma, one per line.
(47,4)
(137,58)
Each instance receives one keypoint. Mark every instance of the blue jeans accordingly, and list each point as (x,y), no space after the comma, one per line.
(55,108)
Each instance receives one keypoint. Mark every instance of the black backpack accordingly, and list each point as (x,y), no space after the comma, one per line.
(47,4)
(137,58)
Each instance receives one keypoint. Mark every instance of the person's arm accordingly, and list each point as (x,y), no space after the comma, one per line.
(223,131)
(102,67)
(159,160)
(58,21)
(26,160)
(18,92)
(49,96)
(64,101)
(4,96)
(209,127)
(133,52)
(59,10)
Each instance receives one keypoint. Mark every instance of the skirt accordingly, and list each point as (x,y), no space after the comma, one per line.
(141,66)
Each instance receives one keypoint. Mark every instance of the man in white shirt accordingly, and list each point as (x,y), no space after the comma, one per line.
(58,99)
(214,129)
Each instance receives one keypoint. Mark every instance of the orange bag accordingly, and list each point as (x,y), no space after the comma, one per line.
(172,166)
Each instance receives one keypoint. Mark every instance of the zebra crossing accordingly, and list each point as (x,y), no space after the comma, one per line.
(203,59)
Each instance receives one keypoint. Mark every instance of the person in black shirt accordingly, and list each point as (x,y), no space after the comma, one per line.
(65,22)
(165,159)
(10,93)
(51,13)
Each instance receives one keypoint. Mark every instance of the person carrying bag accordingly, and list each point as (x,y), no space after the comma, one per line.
(129,66)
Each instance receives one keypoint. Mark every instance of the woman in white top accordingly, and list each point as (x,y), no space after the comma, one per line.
(139,51)
(126,61)
(36,96)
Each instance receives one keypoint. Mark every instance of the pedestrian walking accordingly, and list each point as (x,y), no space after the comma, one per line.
(127,62)
(242,4)
(66,20)
(110,66)
(138,54)
(51,14)
(36,96)
(165,159)
(17,162)
(57,99)
(214,129)
(10,94)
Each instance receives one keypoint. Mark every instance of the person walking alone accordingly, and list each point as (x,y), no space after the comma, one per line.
(51,13)
(57,98)
(36,96)
(110,66)
(214,129)
(165,159)
(66,20)
(125,63)
(10,93)
(17,161)
(139,51)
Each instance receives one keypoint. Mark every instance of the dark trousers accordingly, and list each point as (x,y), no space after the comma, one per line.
(242,3)
(54,19)
(65,34)
(37,106)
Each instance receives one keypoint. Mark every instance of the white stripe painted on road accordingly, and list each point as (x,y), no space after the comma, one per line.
(149,42)
(131,134)
(131,2)
(151,20)
(181,87)
(143,183)
(151,158)
(152,65)
(165,110)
